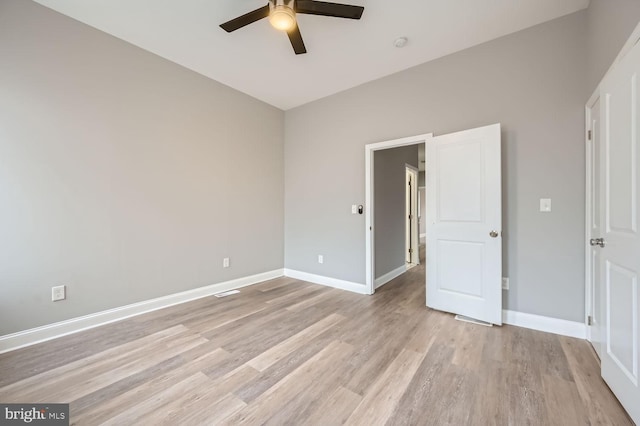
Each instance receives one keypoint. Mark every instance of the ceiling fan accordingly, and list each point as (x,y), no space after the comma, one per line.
(282,15)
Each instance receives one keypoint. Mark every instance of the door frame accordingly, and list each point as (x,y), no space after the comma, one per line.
(413,207)
(588,209)
(369,151)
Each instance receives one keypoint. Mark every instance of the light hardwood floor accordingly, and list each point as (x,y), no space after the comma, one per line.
(290,352)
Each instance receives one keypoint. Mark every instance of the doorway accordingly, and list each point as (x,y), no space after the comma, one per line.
(370,151)
(395,227)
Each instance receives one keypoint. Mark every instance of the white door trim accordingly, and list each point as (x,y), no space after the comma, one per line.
(369,150)
(587,225)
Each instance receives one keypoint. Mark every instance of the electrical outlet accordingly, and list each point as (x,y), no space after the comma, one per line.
(505,283)
(225,262)
(320,258)
(58,293)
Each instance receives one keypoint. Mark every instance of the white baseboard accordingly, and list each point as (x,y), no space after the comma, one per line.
(32,336)
(330,282)
(380,281)
(547,324)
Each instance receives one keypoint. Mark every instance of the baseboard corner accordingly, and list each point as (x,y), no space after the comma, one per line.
(382,280)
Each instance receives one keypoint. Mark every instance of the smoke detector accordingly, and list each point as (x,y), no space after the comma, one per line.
(400,42)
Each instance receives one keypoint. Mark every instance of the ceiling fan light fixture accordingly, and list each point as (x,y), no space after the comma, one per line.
(282,18)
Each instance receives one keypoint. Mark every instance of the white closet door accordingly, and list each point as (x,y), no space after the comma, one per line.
(620,256)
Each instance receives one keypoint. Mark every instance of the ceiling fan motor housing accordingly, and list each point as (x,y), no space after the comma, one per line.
(273,4)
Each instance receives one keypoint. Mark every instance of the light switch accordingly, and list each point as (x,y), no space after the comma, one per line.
(354,209)
(545,205)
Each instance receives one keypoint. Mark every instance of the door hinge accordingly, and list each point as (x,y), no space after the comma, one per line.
(589,134)
(589,321)
(410,250)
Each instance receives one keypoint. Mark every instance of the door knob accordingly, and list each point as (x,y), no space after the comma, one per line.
(597,242)
(493,234)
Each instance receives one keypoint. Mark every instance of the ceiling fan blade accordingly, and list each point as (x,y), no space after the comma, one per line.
(246,19)
(311,7)
(296,41)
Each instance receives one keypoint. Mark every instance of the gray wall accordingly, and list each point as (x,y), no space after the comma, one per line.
(123,175)
(610,23)
(533,82)
(390,206)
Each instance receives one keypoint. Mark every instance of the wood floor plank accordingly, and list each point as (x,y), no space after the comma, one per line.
(424,335)
(425,384)
(469,346)
(310,301)
(210,323)
(251,342)
(293,297)
(70,388)
(563,401)
(97,364)
(36,359)
(452,403)
(298,409)
(269,357)
(600,405)
(276,283)
(382,397)
(528,407)
(552,359)
(376,350)
(200,405)
(153,386)
(491,404)
(210,413)
(277,372)
(497,346)
(287,389)
(101,397)
(336,409)
(146,410)
(235,379)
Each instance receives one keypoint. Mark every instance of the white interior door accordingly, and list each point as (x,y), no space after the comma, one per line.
(595,217)
(620,256)
(464,222)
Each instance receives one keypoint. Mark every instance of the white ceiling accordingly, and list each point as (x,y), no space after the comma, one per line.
(343,53)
